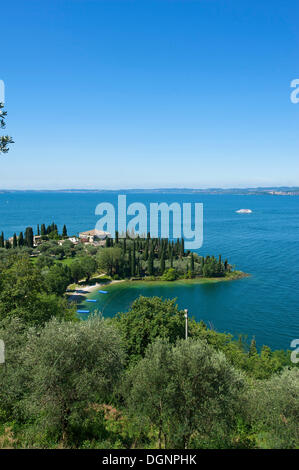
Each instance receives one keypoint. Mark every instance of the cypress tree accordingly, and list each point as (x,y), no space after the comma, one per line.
(171,258)
(192,263)
(14,241)
(150,264)
(130,261)
(133,260)
(162,264)
(116,237)
(182,247)
(146,250)
(43,230)
(29,237)
(178,249)
(64,231)
(219,266)
(138,269)
(2,240)
(38,232)
(21,240)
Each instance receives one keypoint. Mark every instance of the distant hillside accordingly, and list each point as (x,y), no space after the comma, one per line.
(276,191)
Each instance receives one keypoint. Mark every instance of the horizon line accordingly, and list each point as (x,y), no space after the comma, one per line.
(174,188)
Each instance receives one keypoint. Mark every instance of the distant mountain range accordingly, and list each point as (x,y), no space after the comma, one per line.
(276,191)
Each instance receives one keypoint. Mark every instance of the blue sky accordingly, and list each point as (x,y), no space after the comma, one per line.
(125,94)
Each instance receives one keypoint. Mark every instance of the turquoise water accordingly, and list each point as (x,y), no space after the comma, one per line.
(264,244)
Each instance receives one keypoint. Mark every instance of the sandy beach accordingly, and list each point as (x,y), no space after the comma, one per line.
(86,289)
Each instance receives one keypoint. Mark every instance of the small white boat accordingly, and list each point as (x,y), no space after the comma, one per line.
(244,211)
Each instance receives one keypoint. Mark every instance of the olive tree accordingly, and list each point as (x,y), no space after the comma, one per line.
(189,392)
(72,365)
(148,319)
(146,385)
(13,376)
(273,407)
(206,396)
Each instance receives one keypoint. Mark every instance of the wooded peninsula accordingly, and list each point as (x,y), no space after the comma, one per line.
(129,257)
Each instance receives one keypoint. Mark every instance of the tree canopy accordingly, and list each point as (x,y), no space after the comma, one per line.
(149,318)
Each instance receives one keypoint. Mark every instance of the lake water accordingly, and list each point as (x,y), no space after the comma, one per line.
(264,244)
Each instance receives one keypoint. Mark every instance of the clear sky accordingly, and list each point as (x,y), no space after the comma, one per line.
(166,93)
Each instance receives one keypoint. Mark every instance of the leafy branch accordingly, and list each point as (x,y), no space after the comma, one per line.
(5,140)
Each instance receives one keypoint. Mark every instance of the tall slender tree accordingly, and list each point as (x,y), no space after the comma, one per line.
(150,264)
(21,240)
(64,231)
(29,237)
(14,241)
(162,264)
(133,260)
(192,264)
(182,247)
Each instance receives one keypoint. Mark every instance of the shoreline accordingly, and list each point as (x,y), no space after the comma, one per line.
(84,290)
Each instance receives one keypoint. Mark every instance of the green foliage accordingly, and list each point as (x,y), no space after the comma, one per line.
(126,258)
(89,266)
(146,385)
(149,318)
(130,381)
(273,409)
(29,237)
(67,366)
(13,378)
(24,293)
(170,275)
(189,392)
(78,363)
(77,271)
(5,140)
(206,396)
(109,260)
(57,278)
(260,366)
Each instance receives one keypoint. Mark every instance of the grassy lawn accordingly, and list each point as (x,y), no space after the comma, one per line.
(66,261)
